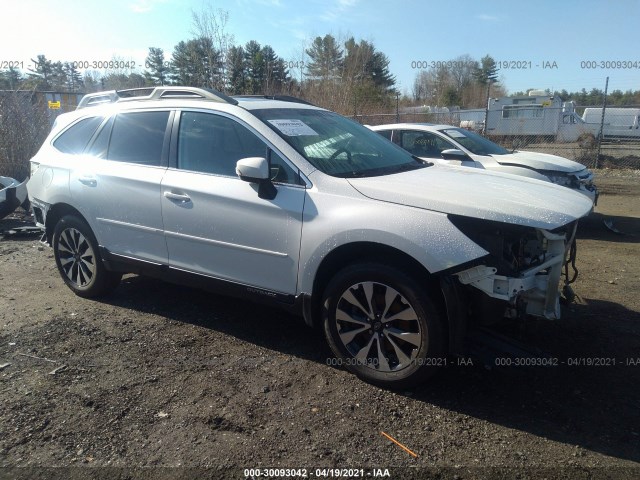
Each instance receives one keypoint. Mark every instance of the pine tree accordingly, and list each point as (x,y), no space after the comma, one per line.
(40,76)
(378,69)
(487,72)
(356,59)
(282,79)
(157,70)
(255,67)
(270,60)
(73,79)
(196,63)
(236,71)
(121,81)
(327,59)
(210,61)
(91,82)
(58,79)
(181,63)
(276,72)
(10,79)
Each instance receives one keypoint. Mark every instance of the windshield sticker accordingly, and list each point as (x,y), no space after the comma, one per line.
(455,134)
(293,128)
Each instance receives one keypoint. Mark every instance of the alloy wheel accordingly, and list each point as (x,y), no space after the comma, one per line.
(378,327)
(77,258)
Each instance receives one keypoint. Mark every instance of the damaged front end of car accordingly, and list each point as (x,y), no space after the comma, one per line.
(581,181)
(521,275)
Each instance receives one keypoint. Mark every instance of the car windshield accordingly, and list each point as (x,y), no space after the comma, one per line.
(474,142)
(336,145)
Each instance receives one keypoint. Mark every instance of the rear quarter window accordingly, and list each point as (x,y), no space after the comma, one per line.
(75,139)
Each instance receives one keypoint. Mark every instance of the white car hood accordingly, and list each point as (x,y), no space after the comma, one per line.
(539,161)
(479,194)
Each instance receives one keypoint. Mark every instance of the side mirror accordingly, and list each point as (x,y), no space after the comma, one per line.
(256,170)
(454,154)
(253,169)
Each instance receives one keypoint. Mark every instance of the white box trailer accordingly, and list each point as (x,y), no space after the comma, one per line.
(535,117)
(619,122)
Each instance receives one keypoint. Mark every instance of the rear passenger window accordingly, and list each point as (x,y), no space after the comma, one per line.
(75,139)
(138,137)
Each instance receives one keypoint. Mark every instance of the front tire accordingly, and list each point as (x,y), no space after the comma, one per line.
(78,259)
(382,326)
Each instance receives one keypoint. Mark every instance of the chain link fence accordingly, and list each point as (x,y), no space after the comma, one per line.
(26,118)
(580,133)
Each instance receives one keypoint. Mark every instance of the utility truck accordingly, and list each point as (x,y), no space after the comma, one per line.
(536,117)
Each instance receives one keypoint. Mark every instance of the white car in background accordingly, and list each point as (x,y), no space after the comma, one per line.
(449,145)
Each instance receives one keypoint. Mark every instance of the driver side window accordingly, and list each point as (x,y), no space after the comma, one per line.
(209,143)
(423,144)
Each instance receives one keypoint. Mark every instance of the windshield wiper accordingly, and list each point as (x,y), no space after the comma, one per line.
(389,170)
(423,161)
(363,173)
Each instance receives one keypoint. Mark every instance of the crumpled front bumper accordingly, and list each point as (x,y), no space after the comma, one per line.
(591,191)
(584,180)
(536,289)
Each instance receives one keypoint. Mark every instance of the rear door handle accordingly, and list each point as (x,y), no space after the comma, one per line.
(181,197)
(89,180)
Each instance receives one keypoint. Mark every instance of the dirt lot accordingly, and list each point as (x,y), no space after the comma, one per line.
(165,376)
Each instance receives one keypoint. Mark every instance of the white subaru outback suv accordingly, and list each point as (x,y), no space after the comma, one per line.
(279,201)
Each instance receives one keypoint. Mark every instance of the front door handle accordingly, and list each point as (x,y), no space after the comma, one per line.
(181,197)
(88,180)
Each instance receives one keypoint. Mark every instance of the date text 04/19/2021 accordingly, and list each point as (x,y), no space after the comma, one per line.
(295,473)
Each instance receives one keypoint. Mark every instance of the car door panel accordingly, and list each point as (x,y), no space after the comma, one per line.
(124,205)
(226,230)
(216,224)
(120,194)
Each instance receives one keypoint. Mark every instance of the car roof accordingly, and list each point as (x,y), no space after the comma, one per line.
(427,127)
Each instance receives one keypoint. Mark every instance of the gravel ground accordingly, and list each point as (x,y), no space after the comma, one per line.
(162,381)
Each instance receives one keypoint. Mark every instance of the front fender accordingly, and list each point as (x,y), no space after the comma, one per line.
(426,236)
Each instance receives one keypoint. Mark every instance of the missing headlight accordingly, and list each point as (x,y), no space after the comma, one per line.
(563,179)
(512,248)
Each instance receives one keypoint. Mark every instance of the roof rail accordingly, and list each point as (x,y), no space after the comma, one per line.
(283,98)
(93,99)
(153,93)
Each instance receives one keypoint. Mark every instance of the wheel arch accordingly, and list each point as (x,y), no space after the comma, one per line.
(360,252)
(55,213)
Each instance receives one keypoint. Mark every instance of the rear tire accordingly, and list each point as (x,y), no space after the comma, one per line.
(78,259)
(382,326)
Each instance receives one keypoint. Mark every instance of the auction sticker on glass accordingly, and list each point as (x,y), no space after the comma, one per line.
(455,133)
(293,128)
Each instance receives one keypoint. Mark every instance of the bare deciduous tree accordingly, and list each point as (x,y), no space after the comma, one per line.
(211,24)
